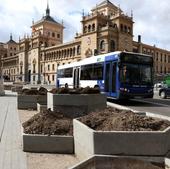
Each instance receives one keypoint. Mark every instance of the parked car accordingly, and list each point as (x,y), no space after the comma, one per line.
(164,92)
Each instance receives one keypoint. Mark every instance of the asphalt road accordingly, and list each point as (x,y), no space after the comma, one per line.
(155,105)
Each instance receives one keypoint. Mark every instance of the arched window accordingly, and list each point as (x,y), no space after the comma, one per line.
(74,50)
(53,34)
(71,52)
(34,64)
(85,29)
(121,27)
(59,54)
(93,27)
(65,53)
(55,55)
(89,28)
(78,50)
(62,53)
(102,45)
(112,46)
(129,30)
(21,67)
(68,52)
(125,29)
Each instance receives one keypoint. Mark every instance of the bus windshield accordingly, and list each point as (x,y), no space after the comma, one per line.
(136,74)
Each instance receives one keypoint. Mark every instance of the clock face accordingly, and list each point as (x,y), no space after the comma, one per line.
(88,40)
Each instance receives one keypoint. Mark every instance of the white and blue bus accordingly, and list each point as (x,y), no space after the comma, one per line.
(118,74)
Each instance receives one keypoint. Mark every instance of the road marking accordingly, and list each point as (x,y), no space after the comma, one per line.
(159,104)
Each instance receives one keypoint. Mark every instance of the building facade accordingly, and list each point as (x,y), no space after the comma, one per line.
(105,29)
(9,60)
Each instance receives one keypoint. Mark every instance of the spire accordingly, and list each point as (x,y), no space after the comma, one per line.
(131,13)
(10,36)
(83,13)
(48,9)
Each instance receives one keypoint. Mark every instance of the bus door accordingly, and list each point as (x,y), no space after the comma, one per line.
(110,79)
(76,77)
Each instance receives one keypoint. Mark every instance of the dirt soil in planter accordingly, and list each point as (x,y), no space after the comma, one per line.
(49,123)
(112,119)
(41,91)
(65,90)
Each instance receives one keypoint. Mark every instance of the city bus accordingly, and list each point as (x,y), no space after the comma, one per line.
(119,75)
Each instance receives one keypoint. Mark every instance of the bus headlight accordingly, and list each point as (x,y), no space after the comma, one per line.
(124,90)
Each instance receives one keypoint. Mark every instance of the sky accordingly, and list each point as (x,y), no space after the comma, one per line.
(151,17)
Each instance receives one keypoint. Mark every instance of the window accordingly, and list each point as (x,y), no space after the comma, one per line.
(161,57)
(112,46)
(65,72)
(165,58)
(92,72)
(157,56)
(89,28)
(121,27)
(20,69)
(129,30)
(102,45)
(41,68)
(34,78)
(78,50)
(74,50)
(85,29)
(52,77)
(34,68)
(125,29)
(53,67)
(58,35)
(48,67)
(53,34)
(93,27)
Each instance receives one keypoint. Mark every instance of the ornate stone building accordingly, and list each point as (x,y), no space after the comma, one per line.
(105,29)
(9,60)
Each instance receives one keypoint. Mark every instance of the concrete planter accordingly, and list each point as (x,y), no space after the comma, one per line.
(41,107)
(75,104)
(134,143)
(48,144)
(30,101)
(111,162)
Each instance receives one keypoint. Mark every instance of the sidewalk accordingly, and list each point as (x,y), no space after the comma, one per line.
(11,154)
